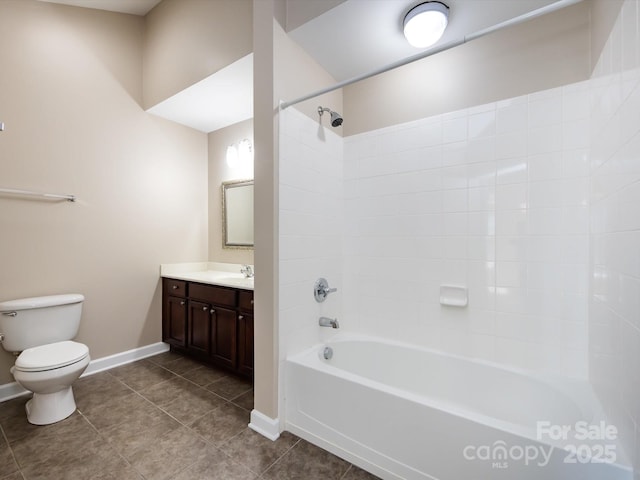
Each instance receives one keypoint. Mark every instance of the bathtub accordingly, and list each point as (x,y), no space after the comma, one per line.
(405,412)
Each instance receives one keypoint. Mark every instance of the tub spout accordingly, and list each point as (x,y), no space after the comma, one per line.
(328,322)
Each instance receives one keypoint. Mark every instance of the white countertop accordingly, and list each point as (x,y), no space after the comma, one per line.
(223,274)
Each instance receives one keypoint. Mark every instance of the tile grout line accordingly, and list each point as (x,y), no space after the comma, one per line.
(15,460)
(279,458)
(108,443)
(344,475)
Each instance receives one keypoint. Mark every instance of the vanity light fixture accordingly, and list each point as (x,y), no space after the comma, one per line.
(245,152)
(240,154)
(425,23)
(232,156)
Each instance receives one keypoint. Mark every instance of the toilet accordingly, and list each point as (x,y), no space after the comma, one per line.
(41,330)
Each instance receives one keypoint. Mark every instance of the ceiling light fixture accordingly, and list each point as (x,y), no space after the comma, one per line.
(425,23)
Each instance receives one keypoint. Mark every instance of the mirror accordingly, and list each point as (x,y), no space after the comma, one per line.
(237,214)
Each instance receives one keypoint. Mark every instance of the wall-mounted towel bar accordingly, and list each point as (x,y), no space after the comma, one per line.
(51,196)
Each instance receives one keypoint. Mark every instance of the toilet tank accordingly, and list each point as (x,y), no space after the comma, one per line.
(30,322)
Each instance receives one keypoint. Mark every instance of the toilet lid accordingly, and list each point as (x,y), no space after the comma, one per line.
(53,355)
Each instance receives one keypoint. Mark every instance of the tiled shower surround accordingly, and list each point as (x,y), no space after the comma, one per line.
(493,198)
(532,203)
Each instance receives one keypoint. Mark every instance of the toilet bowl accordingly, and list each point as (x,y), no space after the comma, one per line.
(49,371)
(40,330)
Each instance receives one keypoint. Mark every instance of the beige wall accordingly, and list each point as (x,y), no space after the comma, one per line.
(299,12)
(298,74)
(188,40)
(69,90)
(604,14)
(265,211)
(220,172)
(543,53)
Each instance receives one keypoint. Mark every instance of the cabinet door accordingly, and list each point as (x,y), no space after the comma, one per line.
(199,331)
(245,344)
(174,324)
(223,339)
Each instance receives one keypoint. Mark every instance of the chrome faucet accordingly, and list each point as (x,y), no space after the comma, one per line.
(328,322)
(247,271)
(321,290)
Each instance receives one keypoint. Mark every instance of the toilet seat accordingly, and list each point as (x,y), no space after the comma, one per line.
(51,356)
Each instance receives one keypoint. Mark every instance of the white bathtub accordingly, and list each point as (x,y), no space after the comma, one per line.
(404,412)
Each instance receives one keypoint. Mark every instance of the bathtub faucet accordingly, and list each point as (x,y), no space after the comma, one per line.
(328,322)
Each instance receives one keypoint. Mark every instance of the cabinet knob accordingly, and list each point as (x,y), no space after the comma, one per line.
(252,301)
(240,317)
(204,309)
(182,302)
(213,310)
(175,287)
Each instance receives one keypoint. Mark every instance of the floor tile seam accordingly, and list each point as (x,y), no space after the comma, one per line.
(171,371)
(188,425)
(239,395)
(123,421)
(229,399)
(347,471)
(119,380)
(227,456)
(225,375)
(279,458)
(177,472)
(108,443)
(203,387)
(15,460)
(214,393)
(163,408)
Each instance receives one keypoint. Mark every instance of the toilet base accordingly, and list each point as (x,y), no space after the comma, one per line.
(47,408)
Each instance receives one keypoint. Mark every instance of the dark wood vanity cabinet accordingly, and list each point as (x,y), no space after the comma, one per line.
(212,323)
(174,313)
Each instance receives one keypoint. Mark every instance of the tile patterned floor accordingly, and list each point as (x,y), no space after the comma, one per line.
(164,418)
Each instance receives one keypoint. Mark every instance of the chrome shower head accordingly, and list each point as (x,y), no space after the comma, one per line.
(336,118)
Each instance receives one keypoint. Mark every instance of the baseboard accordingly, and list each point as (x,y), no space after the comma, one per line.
(265,426)
(122,358)
(13,390)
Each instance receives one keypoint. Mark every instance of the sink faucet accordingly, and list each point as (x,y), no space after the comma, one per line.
(328,322)
(247,271)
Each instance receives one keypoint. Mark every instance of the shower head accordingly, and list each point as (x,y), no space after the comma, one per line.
(336,118)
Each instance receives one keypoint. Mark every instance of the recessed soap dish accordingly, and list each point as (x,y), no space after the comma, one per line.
(454,296)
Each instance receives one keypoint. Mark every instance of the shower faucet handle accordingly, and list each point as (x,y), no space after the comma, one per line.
(321,290)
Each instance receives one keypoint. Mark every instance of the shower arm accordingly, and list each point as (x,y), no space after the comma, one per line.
(473,36)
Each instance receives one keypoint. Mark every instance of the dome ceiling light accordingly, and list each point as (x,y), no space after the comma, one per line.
(425,23)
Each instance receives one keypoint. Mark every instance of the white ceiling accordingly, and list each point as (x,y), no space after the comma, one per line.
(359,36)
(135,7)
(220,100)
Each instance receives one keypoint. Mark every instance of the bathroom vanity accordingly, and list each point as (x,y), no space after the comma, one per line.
(209,320)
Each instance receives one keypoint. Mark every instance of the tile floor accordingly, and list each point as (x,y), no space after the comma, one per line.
(165,417)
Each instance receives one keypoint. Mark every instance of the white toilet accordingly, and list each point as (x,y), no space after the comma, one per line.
(42,328)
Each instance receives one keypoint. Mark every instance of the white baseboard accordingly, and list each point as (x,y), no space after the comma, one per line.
(122,358)
(265,426)
(13,390)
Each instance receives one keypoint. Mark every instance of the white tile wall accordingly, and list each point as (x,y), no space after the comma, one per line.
(311,224)
(492,207)
(614,310)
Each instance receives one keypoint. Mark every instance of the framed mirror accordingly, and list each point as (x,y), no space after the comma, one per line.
(237,214)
